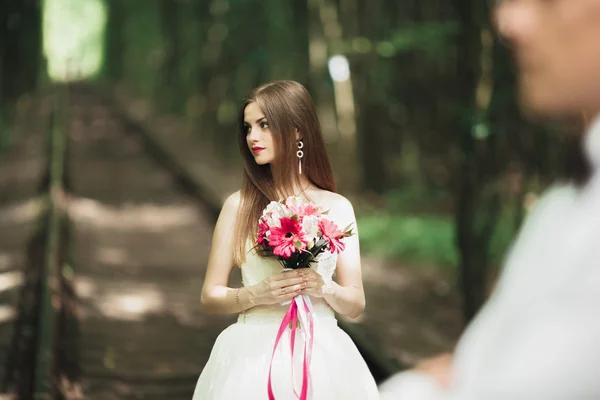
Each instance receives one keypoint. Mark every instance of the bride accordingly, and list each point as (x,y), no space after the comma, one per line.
(284,154)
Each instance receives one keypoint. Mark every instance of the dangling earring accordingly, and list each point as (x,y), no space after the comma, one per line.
(300,154)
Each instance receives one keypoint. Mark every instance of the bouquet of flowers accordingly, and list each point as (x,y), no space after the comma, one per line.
(295,233)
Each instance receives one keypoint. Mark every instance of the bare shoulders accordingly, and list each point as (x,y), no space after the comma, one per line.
(232,203)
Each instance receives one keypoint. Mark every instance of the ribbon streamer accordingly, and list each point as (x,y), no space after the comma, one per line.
(300,310)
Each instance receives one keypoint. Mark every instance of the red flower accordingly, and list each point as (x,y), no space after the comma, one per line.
(285,240)
(262,230)
(331,232)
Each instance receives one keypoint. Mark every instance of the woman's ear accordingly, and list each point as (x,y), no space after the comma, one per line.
(298,135)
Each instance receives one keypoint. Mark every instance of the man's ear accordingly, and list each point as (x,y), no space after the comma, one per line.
(298,135)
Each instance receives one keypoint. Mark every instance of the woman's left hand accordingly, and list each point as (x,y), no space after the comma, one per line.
(314,283)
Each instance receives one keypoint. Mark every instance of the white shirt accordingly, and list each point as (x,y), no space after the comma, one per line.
(538,336)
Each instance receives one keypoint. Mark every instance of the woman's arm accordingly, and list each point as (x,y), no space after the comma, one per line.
(216,296)
(347,296)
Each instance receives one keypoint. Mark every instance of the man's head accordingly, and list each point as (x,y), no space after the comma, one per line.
(557,49)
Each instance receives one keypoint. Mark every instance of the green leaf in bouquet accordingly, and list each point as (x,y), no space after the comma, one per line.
(319,247)
(296,260)
(348,228)
(298,245)
(264,251)
(321,242)
(305,258)
(267,253)
(257,248)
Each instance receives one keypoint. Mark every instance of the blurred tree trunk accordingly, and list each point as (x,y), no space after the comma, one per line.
(319,82)
(20,51)
(478,198)
(334,108)
(300,55)
(215,77)
(346,156)
(115,40)
(170,20)
(281,31)
(371,100)
(513,133)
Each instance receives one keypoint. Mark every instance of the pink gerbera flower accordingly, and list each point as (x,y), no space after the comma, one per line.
(297,207)
(332,233)
(263,228)
(287,239)
(311,209)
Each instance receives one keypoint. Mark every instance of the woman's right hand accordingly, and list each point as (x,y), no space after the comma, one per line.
(278,288)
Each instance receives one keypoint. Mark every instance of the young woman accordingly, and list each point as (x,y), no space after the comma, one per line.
(284,154)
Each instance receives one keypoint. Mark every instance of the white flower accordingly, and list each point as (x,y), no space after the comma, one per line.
(294,201)
(310,223)
(273,207)
(274,222)
(273,213)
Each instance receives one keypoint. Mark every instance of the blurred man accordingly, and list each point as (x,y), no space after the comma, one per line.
(538,337)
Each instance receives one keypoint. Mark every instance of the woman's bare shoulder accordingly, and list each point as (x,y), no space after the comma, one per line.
(232,203)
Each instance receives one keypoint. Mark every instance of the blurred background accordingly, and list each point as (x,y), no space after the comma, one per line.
(118,147)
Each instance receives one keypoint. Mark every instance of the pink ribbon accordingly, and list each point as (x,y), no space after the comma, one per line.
(292,317)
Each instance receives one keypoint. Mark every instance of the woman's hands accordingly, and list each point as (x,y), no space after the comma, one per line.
(314,283)
(279,288)
(285,286)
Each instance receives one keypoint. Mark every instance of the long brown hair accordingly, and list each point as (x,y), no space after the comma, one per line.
(288,106)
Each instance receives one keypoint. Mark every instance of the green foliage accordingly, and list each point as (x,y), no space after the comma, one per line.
(435,39)
(299,259)
(421,237)
(144,50)
(415,238)
(417,197)
(208,55)
(76,46)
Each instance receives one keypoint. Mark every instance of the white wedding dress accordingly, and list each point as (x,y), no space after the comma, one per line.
(538,337)
(238,366)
